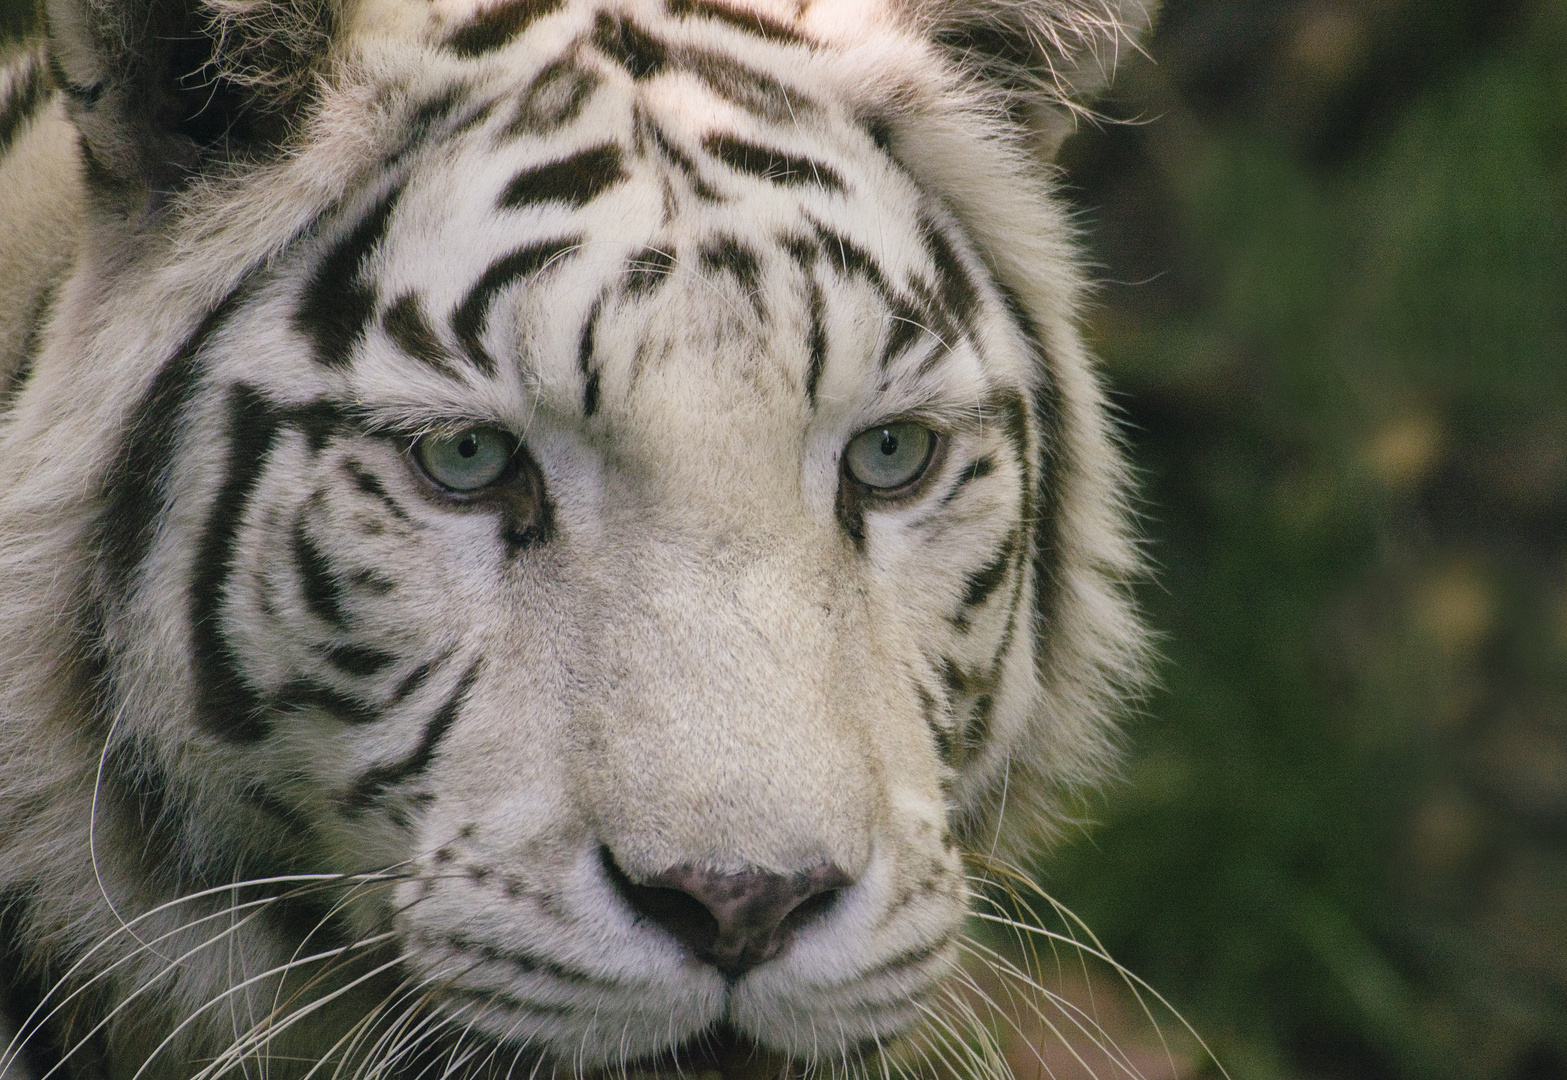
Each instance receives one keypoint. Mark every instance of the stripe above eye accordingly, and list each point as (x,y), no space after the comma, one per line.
(468,319)
(576,180)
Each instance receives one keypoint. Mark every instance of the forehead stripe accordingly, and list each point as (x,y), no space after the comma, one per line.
(729,255)
(498,26)
(771,165)
(405,324)
(639,52)
(468,319)
(646,271)
(576,180)
(750,22)
(818,340)
(337,304)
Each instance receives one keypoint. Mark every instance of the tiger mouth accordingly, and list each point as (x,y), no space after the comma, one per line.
(720,1053)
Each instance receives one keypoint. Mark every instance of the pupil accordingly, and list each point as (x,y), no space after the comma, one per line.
(469,446)
(889,443)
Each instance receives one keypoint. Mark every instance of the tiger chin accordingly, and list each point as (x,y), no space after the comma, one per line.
(538,536)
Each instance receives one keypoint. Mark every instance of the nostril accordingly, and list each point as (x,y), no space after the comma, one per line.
(733,921)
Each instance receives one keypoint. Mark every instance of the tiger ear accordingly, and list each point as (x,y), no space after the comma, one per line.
(1045,58)
(162,90)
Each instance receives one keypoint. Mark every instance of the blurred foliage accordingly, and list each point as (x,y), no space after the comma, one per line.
(16,18)
(1335,242)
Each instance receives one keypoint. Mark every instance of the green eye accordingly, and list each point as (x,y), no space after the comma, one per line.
(468,460)
(890,456)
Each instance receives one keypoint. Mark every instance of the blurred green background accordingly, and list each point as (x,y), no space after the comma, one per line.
(1332,237)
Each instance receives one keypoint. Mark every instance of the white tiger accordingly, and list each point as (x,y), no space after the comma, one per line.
(537,534)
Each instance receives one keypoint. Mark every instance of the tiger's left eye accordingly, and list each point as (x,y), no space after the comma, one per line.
(888,457)
(467,461)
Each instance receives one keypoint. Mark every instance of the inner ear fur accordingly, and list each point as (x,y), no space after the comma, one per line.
(1045,58)
(163,89)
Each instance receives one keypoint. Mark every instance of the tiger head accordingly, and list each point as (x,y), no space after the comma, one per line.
(539,533)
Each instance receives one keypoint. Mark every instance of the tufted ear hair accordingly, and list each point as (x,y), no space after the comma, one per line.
(1046,58)
(163,89)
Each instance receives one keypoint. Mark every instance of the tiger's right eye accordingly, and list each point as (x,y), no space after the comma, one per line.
(890,457)
(467,461)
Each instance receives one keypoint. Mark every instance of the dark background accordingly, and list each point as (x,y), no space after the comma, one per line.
(1332,237)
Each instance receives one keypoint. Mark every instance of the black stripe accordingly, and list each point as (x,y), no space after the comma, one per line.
(853,260)
(410,331)
(498,26)
(225,702)
(750,22)
(370,485)
(880,130)
(318,582)
(304,694)
(468,319)
(585,347)
(26,98)
(413,681)
(624,42)
(32,343)
(318,421)
(359,660)
(26,983)
(987,579)
(907,325)
(373,783)
(957,293)
(646,271)
(977,471)
(958,683)
(526,961)
(769,164)
(904,960)
(433,116)
(932,721)
(1041,504)
(337,306)
(802,249)
(372,582)
(682,161)
(729,255)
(133,496)
(976,733)
(553,100)
(817,340)
(576,180)
(744,88)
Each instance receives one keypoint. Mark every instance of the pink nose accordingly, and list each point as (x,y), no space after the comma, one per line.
(732,921)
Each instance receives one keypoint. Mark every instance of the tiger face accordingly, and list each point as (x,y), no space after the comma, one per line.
(577,525)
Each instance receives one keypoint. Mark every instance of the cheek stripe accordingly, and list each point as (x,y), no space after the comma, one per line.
(225,703)
(373,784)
